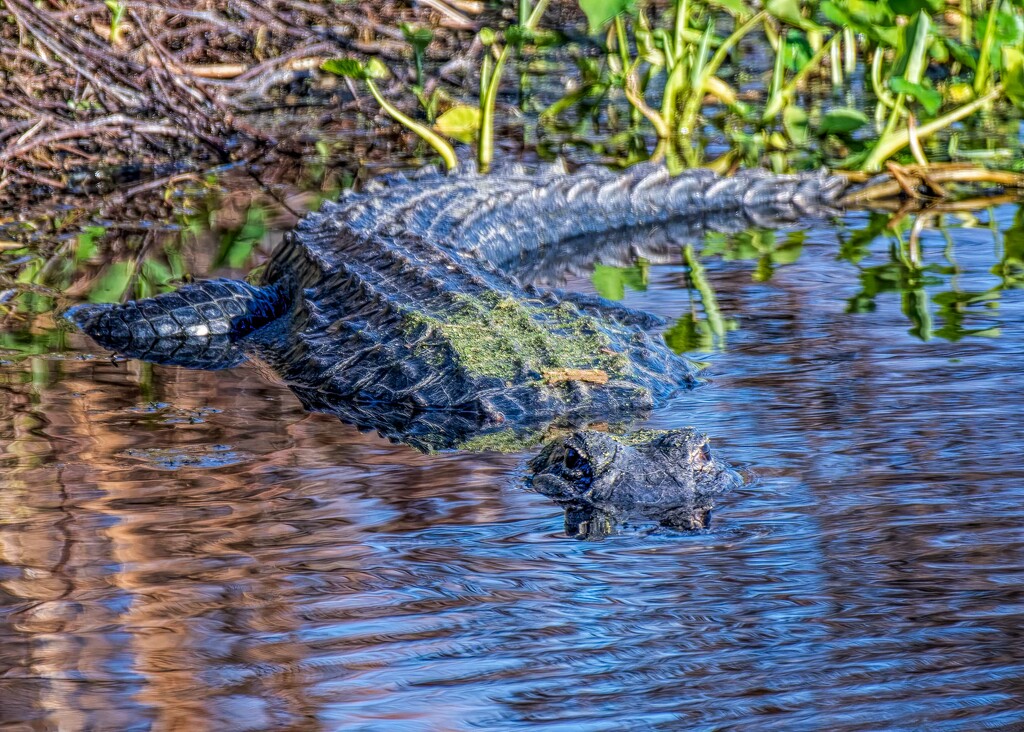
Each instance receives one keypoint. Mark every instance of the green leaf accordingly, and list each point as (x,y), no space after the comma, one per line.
(915,38)
(930,99)
(874,19)
(842,121)
(112,284)
(1009,30)
(798,50)
(158,273)
(794,121)
(965,55)
(375,69)
(909,7)
(788,11)
(600,12)
(875,13)
(86,245)
(344,67)
(418,38)
(1013,75)
(461,123)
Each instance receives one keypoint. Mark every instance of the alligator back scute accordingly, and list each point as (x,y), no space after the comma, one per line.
(502,216)
(401,321)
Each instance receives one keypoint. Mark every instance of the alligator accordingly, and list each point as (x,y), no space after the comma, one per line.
(399,310)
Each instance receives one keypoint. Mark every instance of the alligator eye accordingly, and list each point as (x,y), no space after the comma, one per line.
(700,455)
(573,460)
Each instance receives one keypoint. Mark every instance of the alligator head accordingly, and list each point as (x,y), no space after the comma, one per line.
(603,481)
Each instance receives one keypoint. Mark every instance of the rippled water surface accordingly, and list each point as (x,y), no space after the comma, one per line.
(187,550)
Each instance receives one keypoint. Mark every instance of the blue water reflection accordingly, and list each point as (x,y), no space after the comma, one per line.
(190,550)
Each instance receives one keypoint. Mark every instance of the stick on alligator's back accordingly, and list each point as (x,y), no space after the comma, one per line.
(396,309)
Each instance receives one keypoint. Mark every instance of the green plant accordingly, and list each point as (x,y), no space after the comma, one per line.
(374,69)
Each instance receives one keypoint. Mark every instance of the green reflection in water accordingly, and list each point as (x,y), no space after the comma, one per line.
(907,274)
(611,282)
(701,329)
(761,245)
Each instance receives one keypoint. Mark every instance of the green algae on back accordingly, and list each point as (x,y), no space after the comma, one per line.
(508,440)
(496,335)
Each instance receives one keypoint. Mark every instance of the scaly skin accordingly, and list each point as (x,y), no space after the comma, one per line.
(396,310)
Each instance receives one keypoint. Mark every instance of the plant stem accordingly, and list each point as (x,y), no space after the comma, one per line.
(682,16)
(693,104)
(636,100)
(621,42)
(485,149)
(892,142)
(982,73)
(445,150)
(881,93)
(779,99)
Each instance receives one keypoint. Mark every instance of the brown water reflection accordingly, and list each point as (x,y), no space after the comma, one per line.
(129,584)
(190,551)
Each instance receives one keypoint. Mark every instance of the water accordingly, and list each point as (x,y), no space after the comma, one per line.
(189,550)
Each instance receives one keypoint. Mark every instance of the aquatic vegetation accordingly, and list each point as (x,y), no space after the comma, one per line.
(927,70)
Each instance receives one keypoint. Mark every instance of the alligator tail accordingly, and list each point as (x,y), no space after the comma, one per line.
(198,322)
(513,211)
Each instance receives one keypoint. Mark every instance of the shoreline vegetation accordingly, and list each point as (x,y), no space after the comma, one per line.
(119,116)
(132,84)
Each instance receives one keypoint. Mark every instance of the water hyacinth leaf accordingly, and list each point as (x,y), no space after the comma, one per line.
(929,98)
(85,246)
(516,35)
(236,246)
(1013,75)
(1009,28)
(875,13)
(30,270)
(344,67)
(873,19)
(861,16)
(461,123)
(914,41)
(794,121)
(966,56)
(938,51)
(798,50)
(158,273)
(601,12)
(842,121)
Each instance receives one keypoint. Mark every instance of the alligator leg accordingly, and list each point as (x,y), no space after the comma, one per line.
(196,325)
